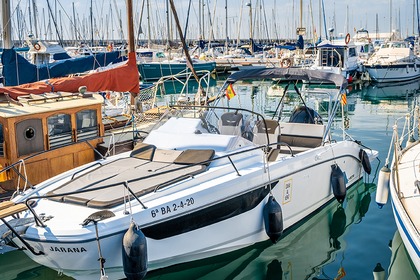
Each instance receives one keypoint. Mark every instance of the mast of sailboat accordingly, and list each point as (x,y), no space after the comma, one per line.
(226,20)
(168,45)
(7,28)
(184,45)
(130,26)
(35,12)
(238,40)
(249,4)
(74,24)
(418,18)
(149,38)
(390,19)
(91,23)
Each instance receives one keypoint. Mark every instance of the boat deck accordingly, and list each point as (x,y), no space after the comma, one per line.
(145,171)
(409,183)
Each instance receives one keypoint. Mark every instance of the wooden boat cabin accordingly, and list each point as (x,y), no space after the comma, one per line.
(48,134)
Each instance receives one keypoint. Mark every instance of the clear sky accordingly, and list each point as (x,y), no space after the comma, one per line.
(270,18)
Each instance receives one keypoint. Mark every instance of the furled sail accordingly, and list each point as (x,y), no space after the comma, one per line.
(18,70)
(123,78)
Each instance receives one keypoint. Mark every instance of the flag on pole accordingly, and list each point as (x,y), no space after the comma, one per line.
(343,99)
(230,93)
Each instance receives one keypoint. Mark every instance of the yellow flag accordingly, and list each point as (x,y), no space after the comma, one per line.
(230,93)
(343,99)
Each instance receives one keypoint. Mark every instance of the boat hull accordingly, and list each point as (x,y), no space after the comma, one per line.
(405,207)
(234,205)
(393,73)
(153,71)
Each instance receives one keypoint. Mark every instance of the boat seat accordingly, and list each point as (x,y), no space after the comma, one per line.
(230,123)
(302,134)
(260,132)
(195,156)
(142,177)
(143,151)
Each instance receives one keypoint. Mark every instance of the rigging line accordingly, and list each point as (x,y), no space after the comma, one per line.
(55,23)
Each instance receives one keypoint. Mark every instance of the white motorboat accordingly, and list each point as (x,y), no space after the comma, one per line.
(401,180)
(338,56)
(393,62)
(205,181)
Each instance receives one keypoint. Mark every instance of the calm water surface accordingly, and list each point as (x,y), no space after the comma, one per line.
(339,240)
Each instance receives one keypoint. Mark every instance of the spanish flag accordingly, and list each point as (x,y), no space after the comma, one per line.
(230,93)
(343,99)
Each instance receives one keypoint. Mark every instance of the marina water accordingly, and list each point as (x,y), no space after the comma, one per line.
(338,242)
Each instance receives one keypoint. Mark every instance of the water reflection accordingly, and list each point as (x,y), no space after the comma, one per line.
(377,93)
(302,253)
(401,266)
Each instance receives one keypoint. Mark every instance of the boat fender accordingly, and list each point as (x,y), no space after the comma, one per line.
(134,253)
(382,190)
(378,272)
(337,183)
(337,227)
(273,219)
(364,158)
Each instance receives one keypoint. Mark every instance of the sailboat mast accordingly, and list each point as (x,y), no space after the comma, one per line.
(130,25)
(227,36)
(35,11)
(91,23)
(7,28)
(149,39)
(167,25)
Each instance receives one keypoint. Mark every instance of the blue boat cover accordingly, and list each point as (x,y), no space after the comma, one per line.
(18,70)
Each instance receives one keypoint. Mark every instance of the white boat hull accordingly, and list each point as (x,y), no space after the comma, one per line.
(407,206)
(393,73)
(298,191)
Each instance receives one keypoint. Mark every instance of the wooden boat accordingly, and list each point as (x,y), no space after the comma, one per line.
(51,126)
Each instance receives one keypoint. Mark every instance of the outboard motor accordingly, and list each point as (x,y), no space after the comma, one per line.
(303,114)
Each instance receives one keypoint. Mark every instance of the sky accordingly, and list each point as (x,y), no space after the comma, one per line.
(276,19)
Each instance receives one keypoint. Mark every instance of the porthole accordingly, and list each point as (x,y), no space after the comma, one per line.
(29,133)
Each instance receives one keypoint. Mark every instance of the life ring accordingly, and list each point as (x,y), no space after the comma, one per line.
(286,62)
(347,40)
(37,46)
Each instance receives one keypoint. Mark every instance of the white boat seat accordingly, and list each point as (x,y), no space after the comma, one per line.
(260,132)
(230,123)
(303,135)
(143,176)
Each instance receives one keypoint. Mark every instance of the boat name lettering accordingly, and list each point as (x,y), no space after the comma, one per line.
(68,250)
(172,208)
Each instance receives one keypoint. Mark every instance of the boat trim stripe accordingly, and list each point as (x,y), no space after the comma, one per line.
(406,233)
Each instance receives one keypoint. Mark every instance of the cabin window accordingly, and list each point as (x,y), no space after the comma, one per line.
(352,52)
(59,130)
(87,125)
(1,140)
